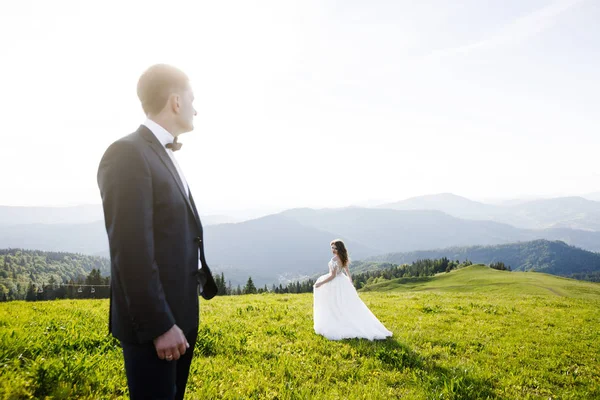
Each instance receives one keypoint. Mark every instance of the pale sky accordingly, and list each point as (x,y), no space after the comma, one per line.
(309,103)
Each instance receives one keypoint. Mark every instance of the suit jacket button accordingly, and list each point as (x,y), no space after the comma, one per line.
(197,239)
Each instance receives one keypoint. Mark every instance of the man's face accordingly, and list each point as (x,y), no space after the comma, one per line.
(187,112)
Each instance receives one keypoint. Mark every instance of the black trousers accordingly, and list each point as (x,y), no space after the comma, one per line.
(149,377)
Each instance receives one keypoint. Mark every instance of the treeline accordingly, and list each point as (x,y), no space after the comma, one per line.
(500,266)
(425,267)
(292,287)
(94,286)
(586,276)
(40,275)
(23,272)
(552,257)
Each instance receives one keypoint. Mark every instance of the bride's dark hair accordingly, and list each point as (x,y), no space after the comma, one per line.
(341,251)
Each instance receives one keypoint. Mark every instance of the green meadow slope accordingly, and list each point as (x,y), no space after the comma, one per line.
(474,333)
(482,279)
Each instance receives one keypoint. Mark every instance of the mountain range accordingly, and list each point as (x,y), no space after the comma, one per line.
(82,214)
(295,243)
(556,258)
(563,212)
(553,257)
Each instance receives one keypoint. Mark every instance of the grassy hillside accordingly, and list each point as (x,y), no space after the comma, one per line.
(555,257)
(482,279)
(456,336)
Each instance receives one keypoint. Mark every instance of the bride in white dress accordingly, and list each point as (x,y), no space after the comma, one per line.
(338,311)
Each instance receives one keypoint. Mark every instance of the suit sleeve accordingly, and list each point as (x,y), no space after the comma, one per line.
(125,183)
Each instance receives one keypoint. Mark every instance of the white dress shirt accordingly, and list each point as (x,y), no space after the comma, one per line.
(165,137)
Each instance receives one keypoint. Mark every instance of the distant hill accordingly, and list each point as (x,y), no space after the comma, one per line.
(239,256)
(579,213)
(480,278)
(552,257)
(595,196)
(398,230)
(562,212)
(70,215)
(10,215)
(272,249)
(87,238)
(208,220)
(448,203)
(19,268)
(408,230)
(295,243)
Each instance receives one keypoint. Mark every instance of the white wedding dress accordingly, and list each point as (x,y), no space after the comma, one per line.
(338,311)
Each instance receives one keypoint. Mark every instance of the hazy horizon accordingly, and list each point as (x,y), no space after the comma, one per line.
(310,103)
(267,209)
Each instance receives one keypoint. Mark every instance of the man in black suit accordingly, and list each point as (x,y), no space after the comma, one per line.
(156,241)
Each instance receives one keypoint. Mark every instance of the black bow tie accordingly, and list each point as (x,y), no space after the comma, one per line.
(174,146)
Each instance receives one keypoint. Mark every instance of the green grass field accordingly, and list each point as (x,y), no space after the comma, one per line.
(481,279)
(474,333)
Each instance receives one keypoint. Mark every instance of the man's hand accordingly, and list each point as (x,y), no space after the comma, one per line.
(171,345)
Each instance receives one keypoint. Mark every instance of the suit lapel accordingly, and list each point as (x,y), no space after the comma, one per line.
(197,216)
(166,160)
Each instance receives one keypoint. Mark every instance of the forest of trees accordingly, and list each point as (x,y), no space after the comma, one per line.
(388,271)
(38,275)
(500,266)
(425,267)
(51,275)
(293,287)
(41,275)
(587,276)
(552,257)
(93,286)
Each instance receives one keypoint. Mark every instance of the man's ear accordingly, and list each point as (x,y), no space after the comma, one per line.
(174,102)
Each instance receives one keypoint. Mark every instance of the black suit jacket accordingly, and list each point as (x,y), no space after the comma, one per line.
(154,234)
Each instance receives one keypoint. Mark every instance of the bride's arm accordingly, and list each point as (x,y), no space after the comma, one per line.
(330,277)
(332,274)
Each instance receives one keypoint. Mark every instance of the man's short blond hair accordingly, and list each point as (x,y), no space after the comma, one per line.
(157,83)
